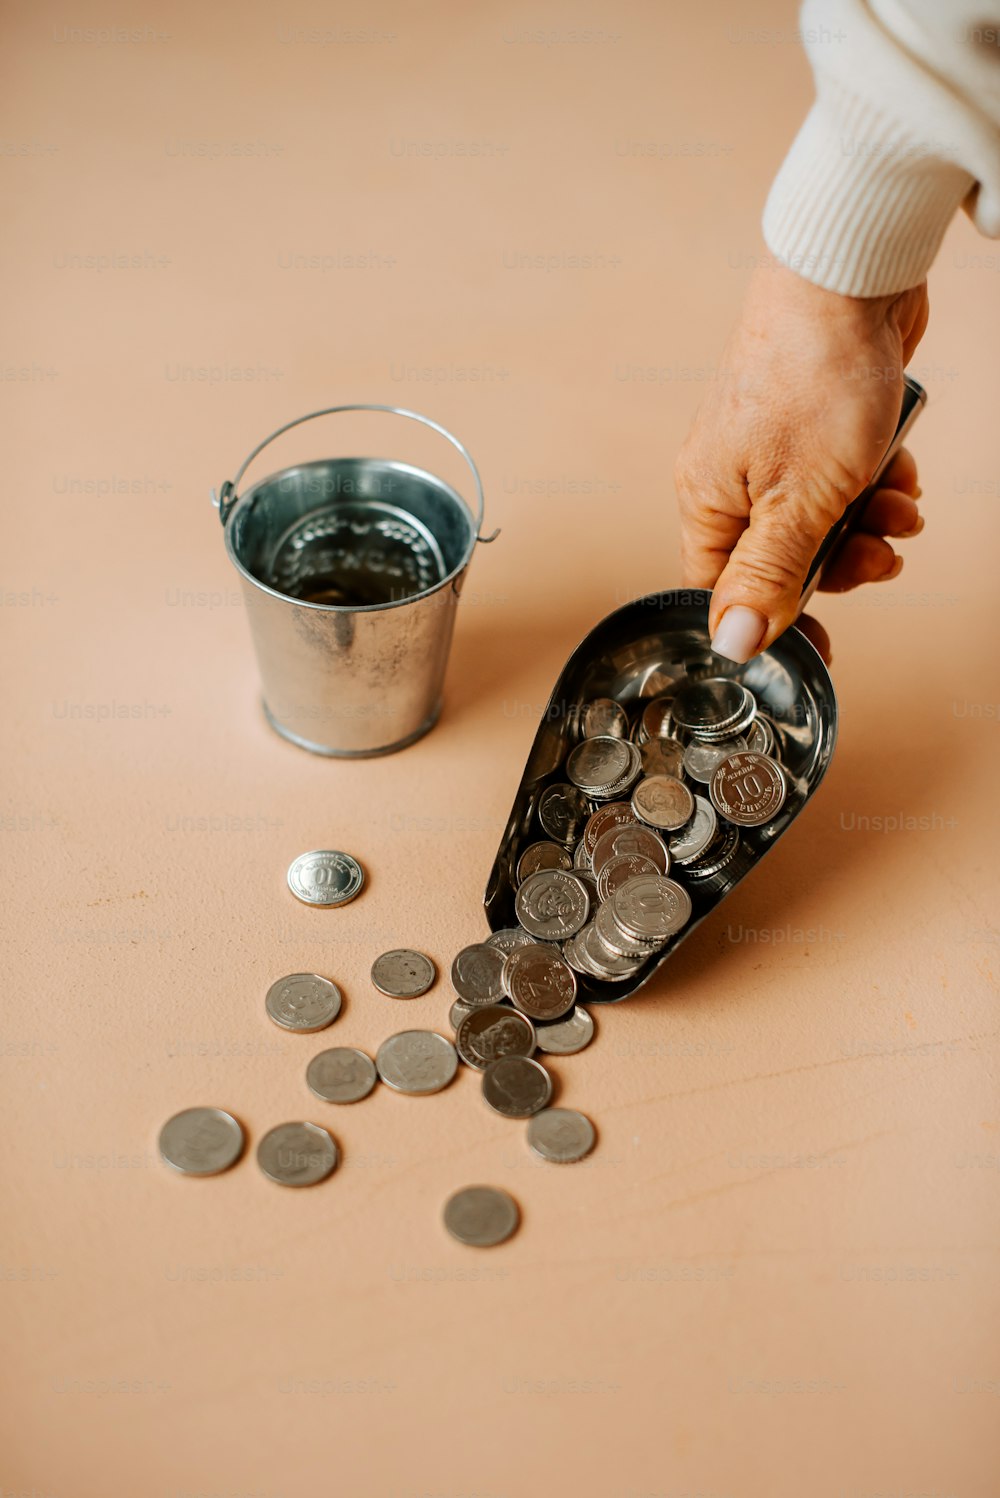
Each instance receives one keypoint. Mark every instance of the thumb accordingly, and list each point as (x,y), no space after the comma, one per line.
(757,594)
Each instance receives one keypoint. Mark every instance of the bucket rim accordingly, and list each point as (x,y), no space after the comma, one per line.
(396,465)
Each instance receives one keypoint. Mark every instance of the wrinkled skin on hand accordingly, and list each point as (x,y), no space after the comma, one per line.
(793,427)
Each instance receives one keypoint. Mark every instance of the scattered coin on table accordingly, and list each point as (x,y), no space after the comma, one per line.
(481,1216)
(201,1141)
(297,1154)
(341,1075)
(564,1037)
(539,982)
(516,1086)
(484,1035)
(403,973)
(325,877)
(416,1062)
(304,1002)
(561,1135)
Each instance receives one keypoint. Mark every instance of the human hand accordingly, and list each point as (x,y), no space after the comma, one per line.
(790,432)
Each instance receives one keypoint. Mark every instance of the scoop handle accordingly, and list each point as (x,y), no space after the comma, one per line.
(914,400)
(225,498)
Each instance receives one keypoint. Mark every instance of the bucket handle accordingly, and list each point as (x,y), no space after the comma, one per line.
(227,496)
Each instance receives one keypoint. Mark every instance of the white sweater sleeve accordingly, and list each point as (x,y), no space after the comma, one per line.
(905,129)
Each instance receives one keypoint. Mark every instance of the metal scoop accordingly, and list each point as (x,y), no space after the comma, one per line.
(628,656)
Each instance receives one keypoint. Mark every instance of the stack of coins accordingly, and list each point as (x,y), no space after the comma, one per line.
(517,994)
(647,810)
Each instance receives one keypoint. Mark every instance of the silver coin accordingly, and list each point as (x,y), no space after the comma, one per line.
(662,757)
(718,857)
(201,1141)
(571,953)
(624,783)
(589,883)
(610,965)
(297,1154)
(554,947)
(701,759)
(760,736)
(562,811)
(651,907)
(552,904)
(516,1086)
(416,1062)
(539,982)
(458,1011)
(699,834)
(603,717)
(403,973)
(710,706)
(597,763)
(656,717)
(481,1216)
(561,1135)
(602,963)
(748,789)
(509,937)
(635,839)
(538,856)
(341,1075)
(663,802)
(476,974)
(304,1002)
(604,819)
(487,1034)
(581,858)
(618,941)
(325,877)
(623,866)
(566,1036)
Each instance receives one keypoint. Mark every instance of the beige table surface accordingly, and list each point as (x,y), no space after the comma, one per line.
(777,1275)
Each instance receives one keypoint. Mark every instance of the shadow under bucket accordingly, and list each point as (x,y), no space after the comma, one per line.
(351,571)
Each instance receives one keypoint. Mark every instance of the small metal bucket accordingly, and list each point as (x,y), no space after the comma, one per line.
(351,571)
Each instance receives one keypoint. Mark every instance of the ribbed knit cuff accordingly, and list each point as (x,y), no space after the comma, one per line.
(860,204)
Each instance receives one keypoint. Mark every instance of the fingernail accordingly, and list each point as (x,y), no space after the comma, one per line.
(917,491)
(739,634)
(892,571)
(914,530)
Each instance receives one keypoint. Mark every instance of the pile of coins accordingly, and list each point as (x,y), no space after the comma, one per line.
(498,1041)
(626,836)
(650,809)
